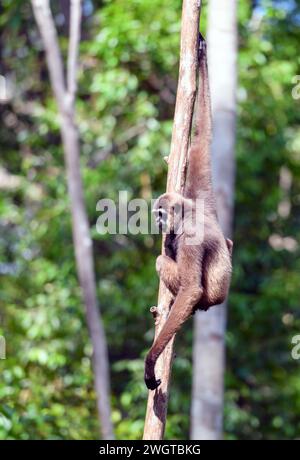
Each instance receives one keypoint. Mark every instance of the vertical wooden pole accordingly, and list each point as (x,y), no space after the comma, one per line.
(186,94)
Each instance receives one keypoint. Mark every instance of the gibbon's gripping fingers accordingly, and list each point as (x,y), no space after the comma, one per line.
(168,272)
(181,310)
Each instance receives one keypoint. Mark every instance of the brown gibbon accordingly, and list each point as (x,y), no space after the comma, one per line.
(196,271)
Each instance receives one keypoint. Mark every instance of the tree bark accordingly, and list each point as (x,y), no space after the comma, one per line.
(65,97)
(209,327)
(186,93)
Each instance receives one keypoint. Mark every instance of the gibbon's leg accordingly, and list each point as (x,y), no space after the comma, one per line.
(168,272)
(216,275)
(216,280)
(181,310)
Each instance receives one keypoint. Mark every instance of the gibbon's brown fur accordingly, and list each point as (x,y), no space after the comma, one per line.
(198,275)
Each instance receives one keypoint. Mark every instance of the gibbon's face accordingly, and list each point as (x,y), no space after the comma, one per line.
(161,218)
(168,212)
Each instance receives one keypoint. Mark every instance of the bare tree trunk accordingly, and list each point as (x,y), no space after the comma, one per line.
(65,97)
(209,327)
(186,93)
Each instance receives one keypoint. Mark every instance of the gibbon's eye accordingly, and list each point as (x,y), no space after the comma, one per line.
(160,216)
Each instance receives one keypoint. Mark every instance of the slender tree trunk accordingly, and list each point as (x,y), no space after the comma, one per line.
(65,94)
(209,327)
(186,93)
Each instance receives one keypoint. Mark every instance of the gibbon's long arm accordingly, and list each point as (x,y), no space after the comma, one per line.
(198,275)
(198,176)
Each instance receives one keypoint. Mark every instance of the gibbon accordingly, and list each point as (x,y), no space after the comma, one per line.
(197,273)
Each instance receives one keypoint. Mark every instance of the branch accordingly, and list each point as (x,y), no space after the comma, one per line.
(186,93)
(83,246)
(74,40)
(45,22)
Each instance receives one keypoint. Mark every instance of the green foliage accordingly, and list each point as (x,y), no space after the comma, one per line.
(127,84)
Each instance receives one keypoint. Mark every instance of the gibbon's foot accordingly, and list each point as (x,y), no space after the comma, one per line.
(152,383)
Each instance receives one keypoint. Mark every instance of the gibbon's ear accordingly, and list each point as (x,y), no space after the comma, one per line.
(229,245)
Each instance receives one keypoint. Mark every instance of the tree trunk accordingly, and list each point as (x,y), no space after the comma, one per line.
(186,93)
(209,327)
(65,97)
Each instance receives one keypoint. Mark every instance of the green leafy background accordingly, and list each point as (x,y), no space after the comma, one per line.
(127,85)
